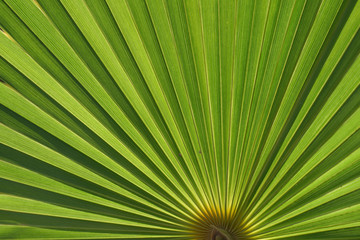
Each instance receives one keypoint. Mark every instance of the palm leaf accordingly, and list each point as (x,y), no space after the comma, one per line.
(179,119)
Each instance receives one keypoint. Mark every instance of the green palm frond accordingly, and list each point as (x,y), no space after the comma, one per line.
(179,119)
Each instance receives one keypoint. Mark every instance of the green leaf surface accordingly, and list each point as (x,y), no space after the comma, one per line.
(179,119)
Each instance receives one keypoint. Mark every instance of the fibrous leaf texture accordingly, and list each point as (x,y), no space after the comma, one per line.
(179,119)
